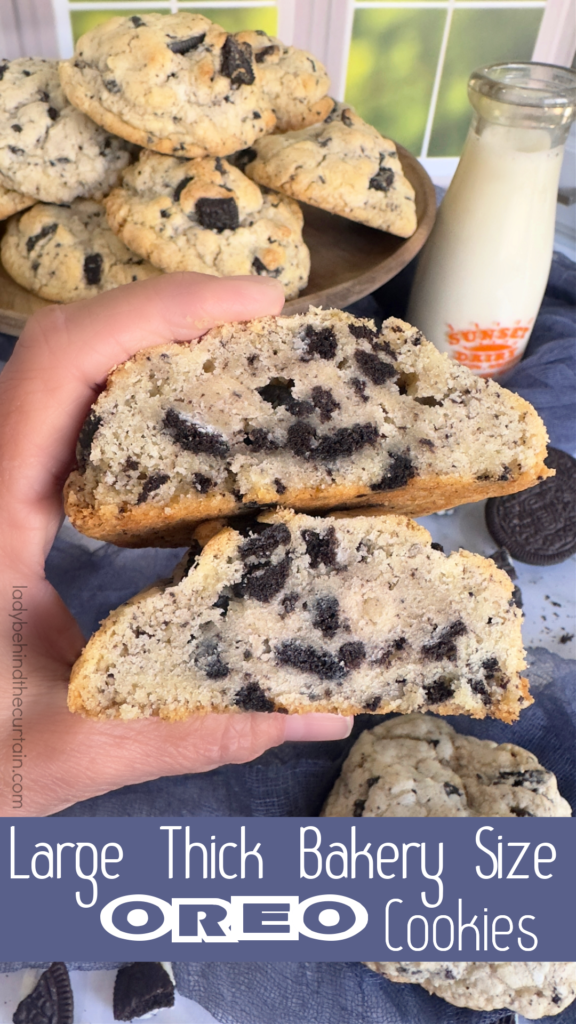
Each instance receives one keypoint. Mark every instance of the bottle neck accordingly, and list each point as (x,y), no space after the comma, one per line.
(519,134)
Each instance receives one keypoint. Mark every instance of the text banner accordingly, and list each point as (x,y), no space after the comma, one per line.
(287,889)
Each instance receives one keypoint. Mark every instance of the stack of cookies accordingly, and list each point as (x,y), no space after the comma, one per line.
(234,130)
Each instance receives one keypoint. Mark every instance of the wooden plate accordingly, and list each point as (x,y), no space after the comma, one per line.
(349,260)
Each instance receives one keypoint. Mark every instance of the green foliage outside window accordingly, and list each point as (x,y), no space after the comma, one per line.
(391,70)
(232,19)
(393,60)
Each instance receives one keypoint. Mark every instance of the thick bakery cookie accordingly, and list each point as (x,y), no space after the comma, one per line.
(417,766)
(48,149)
(12,202)
(296,614)
(205,215)
(176,83)
(312,412)
(532,989)
(295,83)
(64,253)
(342,165)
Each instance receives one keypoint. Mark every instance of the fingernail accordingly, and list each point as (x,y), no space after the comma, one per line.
(318,727)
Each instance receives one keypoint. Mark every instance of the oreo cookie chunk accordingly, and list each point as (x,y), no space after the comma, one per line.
(538,526)
(50,1002)
(142,988)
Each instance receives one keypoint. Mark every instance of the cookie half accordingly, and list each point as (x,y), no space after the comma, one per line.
(295,82)
(531,989)
(63,253)
(313,411)
(342,165)
(417,766)
(297,614)
(48,149)
(205,215)
(176,83)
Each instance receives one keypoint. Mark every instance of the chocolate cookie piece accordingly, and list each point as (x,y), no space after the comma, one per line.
(50,1002)
(141,988)
(538,526)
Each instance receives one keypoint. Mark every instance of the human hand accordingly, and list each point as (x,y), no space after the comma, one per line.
(58,367)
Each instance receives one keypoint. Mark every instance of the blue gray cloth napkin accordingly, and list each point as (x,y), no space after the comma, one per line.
(295,779)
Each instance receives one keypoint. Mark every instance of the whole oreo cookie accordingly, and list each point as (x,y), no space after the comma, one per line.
(50,1002)
(538,526)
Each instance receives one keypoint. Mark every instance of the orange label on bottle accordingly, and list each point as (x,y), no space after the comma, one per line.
(488,350)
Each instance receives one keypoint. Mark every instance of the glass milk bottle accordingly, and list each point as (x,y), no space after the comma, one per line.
(482,274)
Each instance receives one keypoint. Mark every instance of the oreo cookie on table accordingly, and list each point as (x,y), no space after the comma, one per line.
(538,526)
(50,1002)
(141,988)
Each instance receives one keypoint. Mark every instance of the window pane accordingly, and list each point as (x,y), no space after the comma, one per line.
(391,70)
(233,20)
(476,37)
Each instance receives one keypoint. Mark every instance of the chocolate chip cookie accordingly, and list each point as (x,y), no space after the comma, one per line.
(342,165)
(205,215)
(63,253)
(176,83)
(48,149)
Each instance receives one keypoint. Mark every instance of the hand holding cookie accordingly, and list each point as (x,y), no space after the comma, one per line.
(46,389)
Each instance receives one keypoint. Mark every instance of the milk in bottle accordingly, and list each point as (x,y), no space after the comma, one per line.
(483,271)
